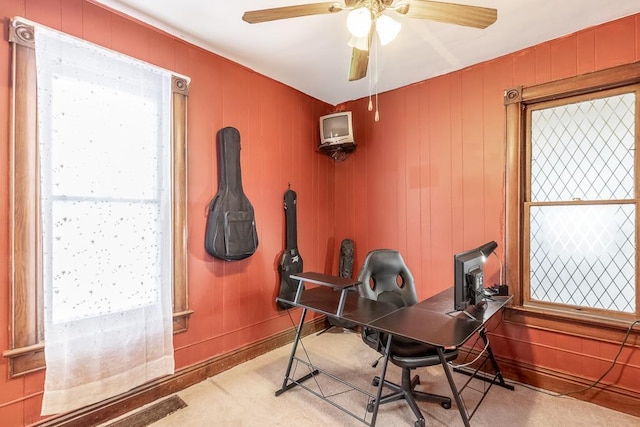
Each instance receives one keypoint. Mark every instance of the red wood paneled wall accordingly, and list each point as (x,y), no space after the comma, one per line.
(428,179)
(233,302)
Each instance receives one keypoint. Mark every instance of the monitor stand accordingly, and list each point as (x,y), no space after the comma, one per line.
(475,311)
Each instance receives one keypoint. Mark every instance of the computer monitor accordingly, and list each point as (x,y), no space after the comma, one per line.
(468,267)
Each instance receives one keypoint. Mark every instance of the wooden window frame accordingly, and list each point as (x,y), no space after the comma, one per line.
(26,353)
(516,100)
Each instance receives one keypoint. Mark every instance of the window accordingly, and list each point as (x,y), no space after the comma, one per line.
(572,196)
(580,202)
(88,189)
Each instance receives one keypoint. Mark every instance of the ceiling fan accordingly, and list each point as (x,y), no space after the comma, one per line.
(366,19)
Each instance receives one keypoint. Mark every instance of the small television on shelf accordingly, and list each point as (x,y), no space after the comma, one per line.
(468,280)
(336,130)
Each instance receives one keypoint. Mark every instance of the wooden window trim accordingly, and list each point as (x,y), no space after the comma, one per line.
(181,312)
(516,99)
(26,353)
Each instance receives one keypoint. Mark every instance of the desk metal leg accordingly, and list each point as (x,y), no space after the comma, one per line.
(289,382)
(494,362)
(497,378)
(383,374)
(285,385)
(454,388)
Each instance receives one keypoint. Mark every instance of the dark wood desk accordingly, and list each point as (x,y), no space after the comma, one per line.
(355,309)
(338,297)
(443,303)
(450,329)
(430,327)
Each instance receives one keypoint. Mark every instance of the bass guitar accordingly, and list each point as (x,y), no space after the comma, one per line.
(291,261)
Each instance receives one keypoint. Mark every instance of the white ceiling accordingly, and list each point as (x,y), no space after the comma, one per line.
(311,54)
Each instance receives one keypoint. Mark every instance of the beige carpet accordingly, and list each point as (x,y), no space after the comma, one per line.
(244,395)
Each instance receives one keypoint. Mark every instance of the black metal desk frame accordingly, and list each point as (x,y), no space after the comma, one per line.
(496,379)
(439,303)
(447,331)
(364,311)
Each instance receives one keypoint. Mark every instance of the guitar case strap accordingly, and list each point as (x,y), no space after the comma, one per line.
(231,232)
(291,261)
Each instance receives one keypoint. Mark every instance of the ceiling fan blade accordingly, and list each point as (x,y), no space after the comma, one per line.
(265,15)
(360,58)
(451,13)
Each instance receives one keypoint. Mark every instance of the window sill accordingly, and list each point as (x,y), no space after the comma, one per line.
(29,359)
(181,321)
(25,359)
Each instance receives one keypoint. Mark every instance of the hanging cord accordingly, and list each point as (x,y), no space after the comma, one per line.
(373,76)
(478,339)
(497,324)
(569,393)
(370,106)
(596,382)
(375,53)
(375,363)
(613,364)
(464,365)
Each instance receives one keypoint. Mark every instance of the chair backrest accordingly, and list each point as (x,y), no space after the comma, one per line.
(386,277)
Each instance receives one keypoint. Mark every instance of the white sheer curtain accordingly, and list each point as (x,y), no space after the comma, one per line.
(104,152)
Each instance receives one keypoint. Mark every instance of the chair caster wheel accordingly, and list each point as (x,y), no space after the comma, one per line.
(446,405)
(419,423)
(370,407)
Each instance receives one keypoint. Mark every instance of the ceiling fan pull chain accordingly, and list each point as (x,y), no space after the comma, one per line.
(375,53)
(377,116)
(370,107)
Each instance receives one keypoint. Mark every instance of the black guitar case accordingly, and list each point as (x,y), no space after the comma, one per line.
(231,226)
(291,261)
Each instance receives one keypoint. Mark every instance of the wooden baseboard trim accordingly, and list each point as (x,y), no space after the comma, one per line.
(147,393)
(608,396)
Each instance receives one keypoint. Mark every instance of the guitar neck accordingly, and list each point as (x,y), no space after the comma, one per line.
(292,232)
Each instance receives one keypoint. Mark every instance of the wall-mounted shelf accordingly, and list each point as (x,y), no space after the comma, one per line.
(337,151)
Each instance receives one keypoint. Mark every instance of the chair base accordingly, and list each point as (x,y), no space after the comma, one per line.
(408,392)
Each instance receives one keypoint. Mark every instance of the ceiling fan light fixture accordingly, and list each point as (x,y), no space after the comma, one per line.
(387,29)
(359,21)
(361,43)
(402,8)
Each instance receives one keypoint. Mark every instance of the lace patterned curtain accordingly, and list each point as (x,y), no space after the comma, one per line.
(105,177)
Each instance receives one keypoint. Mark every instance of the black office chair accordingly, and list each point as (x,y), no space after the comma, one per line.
(386,277)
